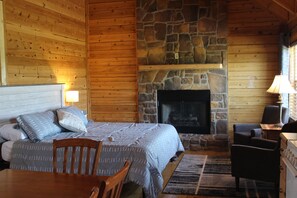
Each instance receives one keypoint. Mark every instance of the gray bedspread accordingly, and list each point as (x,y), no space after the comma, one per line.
(148,146)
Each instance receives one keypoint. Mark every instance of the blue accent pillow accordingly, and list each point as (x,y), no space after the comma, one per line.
(75,111)
(39,125)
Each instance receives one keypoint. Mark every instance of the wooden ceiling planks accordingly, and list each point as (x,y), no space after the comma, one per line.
(286,11)
(270,5)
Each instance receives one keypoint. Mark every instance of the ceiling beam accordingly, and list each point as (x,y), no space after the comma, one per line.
(274,8)
(289,5)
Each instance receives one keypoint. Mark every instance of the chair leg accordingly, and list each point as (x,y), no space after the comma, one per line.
(237,183)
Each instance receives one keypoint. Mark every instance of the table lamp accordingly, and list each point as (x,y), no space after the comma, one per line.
(280,85)
(72,96)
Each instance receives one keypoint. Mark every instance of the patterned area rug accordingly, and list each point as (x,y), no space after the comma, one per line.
(211,176)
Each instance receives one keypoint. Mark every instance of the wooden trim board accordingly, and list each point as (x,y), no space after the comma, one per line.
(179,67)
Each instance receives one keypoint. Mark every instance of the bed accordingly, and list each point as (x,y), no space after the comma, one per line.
(149,146)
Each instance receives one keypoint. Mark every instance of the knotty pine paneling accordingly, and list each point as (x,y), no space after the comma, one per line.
(46,43)
(112,67)
(253,60)
(293,30)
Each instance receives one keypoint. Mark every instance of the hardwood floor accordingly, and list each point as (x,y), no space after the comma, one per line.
(172,165)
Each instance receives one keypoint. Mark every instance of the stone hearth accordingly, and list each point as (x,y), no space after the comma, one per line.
(196,142)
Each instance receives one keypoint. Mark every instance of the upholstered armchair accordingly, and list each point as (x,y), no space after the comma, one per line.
(243,132)
(259,161)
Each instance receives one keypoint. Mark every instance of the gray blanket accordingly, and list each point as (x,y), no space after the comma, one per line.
(148,146)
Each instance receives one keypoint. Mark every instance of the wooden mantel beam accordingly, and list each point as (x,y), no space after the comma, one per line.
(179,67)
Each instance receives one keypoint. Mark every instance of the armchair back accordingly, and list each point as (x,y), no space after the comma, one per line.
(259,161)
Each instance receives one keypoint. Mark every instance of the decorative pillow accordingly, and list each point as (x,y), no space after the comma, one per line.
(39,125)
(74,110)
(12,132)
(70,121)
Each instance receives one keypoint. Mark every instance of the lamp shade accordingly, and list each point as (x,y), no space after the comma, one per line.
(72,96)
(281,85)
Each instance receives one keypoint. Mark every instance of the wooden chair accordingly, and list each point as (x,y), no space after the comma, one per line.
(112,186)
(84,145)
(95,192)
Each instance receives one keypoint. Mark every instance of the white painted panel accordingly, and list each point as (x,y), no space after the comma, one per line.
(18,100)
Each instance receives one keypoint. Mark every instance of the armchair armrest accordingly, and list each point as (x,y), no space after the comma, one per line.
(257,132)
(245,127)
(264,143)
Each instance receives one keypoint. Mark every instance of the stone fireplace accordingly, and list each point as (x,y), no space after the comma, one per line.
(182,32)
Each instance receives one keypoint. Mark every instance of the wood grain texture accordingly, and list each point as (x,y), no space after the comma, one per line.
(2,48)
(46,43)
(14,183)
(179,67)
(285,10)
(112,67)
(253,60)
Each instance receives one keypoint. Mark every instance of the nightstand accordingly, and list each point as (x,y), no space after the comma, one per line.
(270,131)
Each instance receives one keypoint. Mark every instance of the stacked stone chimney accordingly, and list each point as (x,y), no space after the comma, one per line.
(172,32)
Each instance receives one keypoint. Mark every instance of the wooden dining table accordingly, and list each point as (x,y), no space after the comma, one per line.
(32,184)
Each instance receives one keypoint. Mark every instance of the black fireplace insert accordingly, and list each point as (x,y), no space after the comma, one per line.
(187,110)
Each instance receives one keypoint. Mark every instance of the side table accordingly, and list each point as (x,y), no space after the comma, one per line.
(270,131)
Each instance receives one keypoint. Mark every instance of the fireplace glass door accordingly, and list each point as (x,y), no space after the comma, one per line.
(187,110)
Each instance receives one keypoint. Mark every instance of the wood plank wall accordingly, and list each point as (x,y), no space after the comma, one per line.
(46,43)
(2,48)
(253,60)
(112,67)
(293,31)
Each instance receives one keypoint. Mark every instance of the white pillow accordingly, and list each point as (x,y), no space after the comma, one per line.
(70,121)
(12,132)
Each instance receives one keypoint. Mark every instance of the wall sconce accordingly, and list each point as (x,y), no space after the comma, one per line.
(72,96)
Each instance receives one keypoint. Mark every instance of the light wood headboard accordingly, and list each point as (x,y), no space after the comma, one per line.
(17,100)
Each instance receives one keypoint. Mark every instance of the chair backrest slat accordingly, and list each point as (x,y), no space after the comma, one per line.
(95,192)
(75,144)
(112,186)
(65,159)
(88,162)
(80,160)
(72,159)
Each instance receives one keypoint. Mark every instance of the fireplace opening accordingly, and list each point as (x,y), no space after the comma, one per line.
(187,110)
